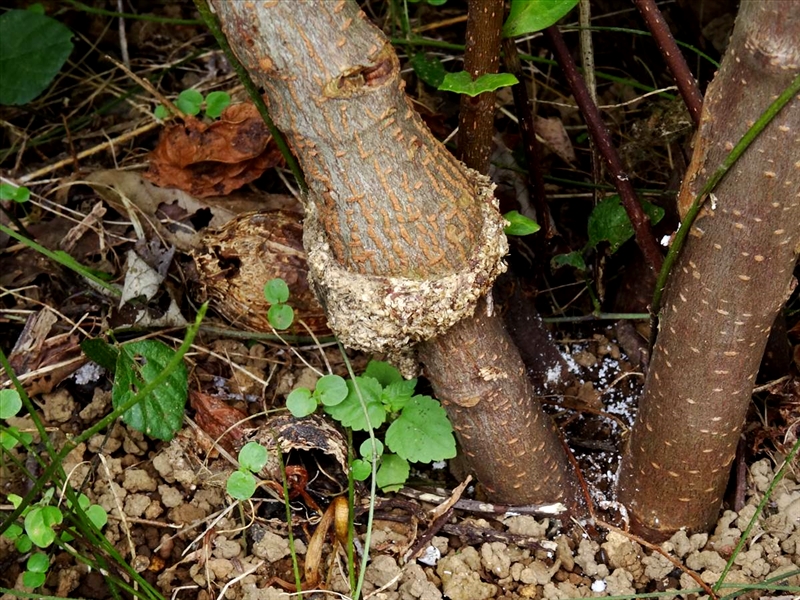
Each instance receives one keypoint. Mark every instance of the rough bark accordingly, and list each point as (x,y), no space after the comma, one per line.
(402,239)
(731,280)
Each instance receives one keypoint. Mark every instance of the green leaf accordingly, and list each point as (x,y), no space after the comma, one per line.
(33,48)
(15,500)
(519,224)
(276,291)
(189,101)
(609,222)
(301,402)
(422,432)
(101,352)
(241,485)
(462,83)
(331,390)
(12,436)
(97,515)
(13,531)
(37,8)
(365,449)
(10,403)
(572,259)
(39,523)
(23,544)
(395,395)
(16,193)
(280,316)
(428,68)
(361,469)
(33,580)
(253,457)
(161,113)
(350,413)
(216,102)
(160,414)
(383,372)
(528,16)
(393,473)
(38,562)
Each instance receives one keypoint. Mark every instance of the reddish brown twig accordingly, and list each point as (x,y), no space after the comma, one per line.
(529,142)
(602,139)
(676,63)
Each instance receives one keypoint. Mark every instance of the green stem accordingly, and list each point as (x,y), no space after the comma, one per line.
(152,18)
(213,25)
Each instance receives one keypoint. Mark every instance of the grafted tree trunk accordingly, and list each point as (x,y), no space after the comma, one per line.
(727,287)
(402,239)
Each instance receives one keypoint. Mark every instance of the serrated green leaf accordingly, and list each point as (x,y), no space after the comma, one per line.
(428,68)
(422,432)
(241,485)
(280,316)
(519,224)
(397,394)
(361,469)
(39,523)
(33,48)
(10,403)
(529,16)
(383,372)
(101,352)
(160,414)
(393,473)
(331,390)
(462,83)
(609,222)
(572,259)
(301,402)
(189,101)
(350,413)
(216,102)
(276,291)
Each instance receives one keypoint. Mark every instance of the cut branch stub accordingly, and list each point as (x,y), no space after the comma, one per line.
(390,214)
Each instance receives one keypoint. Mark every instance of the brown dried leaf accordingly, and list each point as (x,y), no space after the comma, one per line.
(213,160)
(218,419)
(555,137)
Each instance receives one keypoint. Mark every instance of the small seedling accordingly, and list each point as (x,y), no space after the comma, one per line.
(242,483)
(280,314)
(191,102)
(519,224)
(418,430)
(19,194)
(39,528)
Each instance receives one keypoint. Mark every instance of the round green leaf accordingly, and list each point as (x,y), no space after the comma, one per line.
(23,544)
(161,112)
(216,102)
(38,562)
(33,48)
(519,224)
(331,390)
(10,403)
(13,531)
(253,457)
(16,193)
(361,469)
(32,579)
(276,291)
(301,402)
(39,523)
(365,449)
(189,101)
(241,485)
(280,316)
(97,515)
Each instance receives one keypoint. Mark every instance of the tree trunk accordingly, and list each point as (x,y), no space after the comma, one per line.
(402,239)
(727,286)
